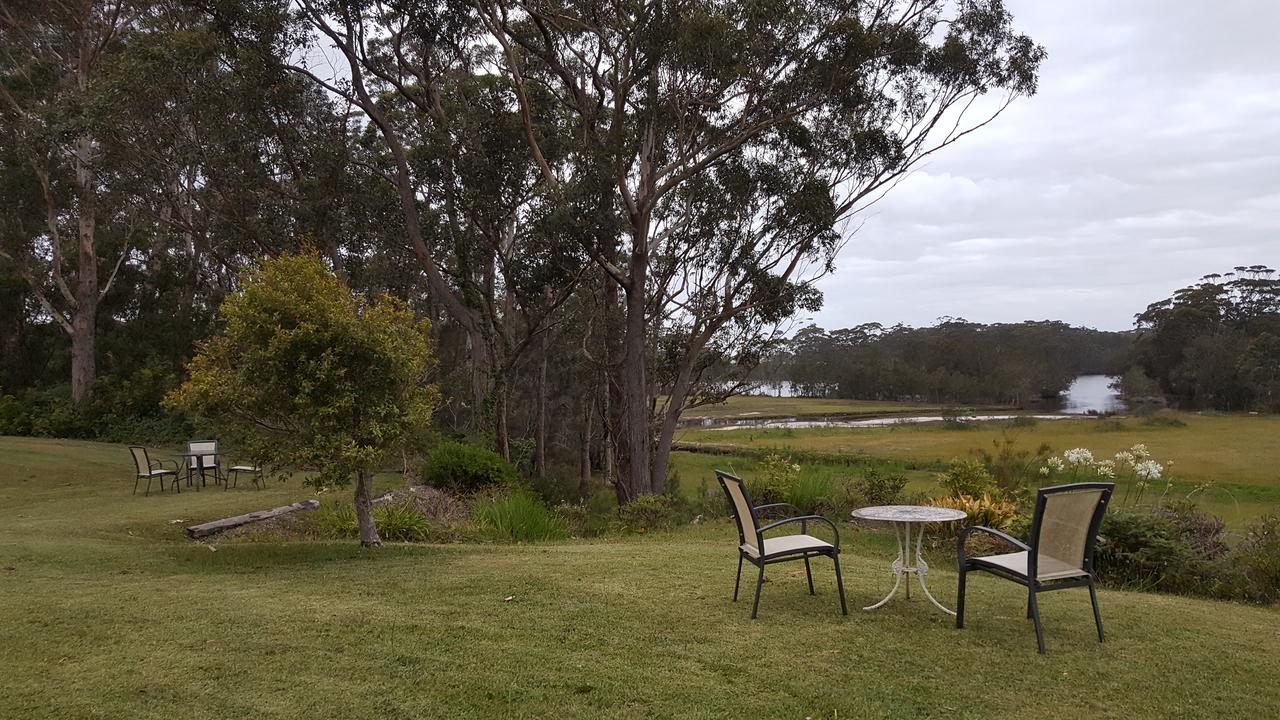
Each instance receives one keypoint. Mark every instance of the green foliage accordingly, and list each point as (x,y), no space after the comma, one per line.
(334,521)
(307,373)
(810,493)
(1012,468)
(401,521)
(519,516)
(880,488)
(462,466)
(1178,551)
(1163,421)
(967,477)
(1110,425)
(1256,562)
(649,512)
(982,510)
(777,473)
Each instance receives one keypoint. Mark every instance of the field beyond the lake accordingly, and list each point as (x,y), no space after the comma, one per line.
(107,610)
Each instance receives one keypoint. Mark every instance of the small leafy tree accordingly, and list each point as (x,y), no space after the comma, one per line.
(308,373)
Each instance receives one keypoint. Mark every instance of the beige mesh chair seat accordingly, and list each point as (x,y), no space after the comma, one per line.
(1059,556)
(150,469)
(759,550)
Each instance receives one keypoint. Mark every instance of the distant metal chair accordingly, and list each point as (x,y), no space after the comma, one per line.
(758,550)
(150,470)
(204,454)
(233,475)
(1064,530)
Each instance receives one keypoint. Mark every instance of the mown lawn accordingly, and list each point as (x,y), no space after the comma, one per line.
(1239,454)
(107,611)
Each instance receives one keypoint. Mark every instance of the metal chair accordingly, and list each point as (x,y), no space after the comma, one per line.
(204,454)
(1059,556)
(758,550)
(233,475)
(151,469)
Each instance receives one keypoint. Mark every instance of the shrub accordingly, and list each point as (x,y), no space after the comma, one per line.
(334,521)
(982,510)
(1255,562)
(877,488)
(1156,549)
(648,512)
(969,478)
(810,493)
(520,517)
(1012,469)
(460,466)
(777,474)
(400,521)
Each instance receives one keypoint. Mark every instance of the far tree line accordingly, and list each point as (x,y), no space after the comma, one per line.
(1214,344)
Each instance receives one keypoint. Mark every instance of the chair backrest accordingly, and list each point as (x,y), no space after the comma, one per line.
(1065,528)
(208,450)
(743,512)
(140,459)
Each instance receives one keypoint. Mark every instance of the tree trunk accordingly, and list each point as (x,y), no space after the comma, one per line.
(634,478)
(540,418)
(85,316)
(584,462)
(501,435)
(364,510)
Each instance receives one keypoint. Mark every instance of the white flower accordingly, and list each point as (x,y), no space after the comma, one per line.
(1055,464)
(1044,470)
(1140,451)
(1148,469)
(1124,457)
(1078,456)
(1106,469)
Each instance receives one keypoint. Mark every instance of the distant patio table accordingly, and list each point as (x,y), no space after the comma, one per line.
(903,517)
(195,461)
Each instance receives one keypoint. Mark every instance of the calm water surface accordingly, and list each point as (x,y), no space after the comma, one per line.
(1091,394)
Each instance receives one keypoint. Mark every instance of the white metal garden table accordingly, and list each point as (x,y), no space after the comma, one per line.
(903,517)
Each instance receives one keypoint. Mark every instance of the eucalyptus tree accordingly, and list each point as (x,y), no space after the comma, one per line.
(731,141)
(451,147)
(52,56)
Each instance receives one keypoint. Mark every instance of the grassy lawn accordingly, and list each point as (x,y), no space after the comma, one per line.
(761,406)
(107,611)
(1240,454)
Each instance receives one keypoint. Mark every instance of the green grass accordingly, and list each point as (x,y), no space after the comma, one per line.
(107,611)
(1240,454)
(747,406)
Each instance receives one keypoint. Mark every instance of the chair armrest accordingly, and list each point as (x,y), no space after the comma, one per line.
(964,537)
(804,521)
(795,511)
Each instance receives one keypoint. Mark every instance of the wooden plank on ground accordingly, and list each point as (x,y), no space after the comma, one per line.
(217,526)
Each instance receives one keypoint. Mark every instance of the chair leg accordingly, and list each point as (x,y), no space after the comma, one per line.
(759,583)
(1097,615)
(1034,609)
(960,600)
(135,485)
(809,574)
(737,580)
(147,492)
(844,608)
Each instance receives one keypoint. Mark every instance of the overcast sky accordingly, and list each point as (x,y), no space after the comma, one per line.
(1149,157)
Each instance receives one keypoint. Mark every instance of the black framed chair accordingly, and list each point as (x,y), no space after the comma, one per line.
(1058,556)
(151,470)
(758,550)
(234,472)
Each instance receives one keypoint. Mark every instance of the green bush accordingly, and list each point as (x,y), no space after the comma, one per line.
(400,521)
(460,466)
(649,512)
(968,478)
(1163,421)
(1255,562)
(520,517)
(877,488)
(774,480)
(1176,551)
(334,521)
(811,493)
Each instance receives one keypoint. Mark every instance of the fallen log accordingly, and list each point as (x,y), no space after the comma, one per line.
(217,526)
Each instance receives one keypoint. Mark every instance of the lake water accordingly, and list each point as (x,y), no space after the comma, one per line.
(1091,394)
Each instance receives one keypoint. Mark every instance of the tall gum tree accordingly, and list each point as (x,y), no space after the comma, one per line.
(736,138)
(51,55)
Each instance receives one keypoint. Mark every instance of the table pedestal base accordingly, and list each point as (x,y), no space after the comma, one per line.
(900,568)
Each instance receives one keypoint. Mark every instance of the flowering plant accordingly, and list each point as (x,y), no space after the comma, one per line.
(1134,464)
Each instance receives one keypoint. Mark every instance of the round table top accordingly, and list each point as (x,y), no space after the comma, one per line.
(909,513)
